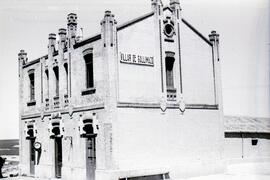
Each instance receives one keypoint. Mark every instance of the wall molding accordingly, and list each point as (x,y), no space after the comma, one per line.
(169,106)
(63,111)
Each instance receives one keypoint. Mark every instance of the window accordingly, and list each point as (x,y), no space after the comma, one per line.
(47,83)
(56,73)
(66,80)
(89,70)
(169,72)
(169,63)
(32,85)
(254,142)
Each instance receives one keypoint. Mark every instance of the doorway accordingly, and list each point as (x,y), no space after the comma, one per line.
(90,158)
(32,157)
(58,156)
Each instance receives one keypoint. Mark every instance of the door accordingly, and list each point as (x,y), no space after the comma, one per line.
(90,158)
(32,157)
(58,157)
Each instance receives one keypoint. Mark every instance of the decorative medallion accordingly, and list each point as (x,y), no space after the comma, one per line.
(37,145)
(169,27)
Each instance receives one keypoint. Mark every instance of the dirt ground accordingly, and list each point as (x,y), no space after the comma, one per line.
(244,171)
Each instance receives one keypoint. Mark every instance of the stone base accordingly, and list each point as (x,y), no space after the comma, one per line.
(71,173)
(24,170)
(44,171)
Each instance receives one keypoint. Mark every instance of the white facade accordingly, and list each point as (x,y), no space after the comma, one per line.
(139,99)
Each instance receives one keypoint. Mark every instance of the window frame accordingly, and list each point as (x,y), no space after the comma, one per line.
(66,74)
(56,79)
(169,72)
(47,83)
(31,75)
(89,71)
(88,57)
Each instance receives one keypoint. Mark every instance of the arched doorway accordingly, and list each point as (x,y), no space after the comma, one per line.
(90,140)
(57,148)
(32,154)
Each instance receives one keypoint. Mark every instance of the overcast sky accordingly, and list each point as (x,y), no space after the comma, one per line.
(244,39)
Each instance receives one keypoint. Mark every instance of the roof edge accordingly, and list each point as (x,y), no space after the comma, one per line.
(87,41)
(196,31)
(134,21)
(138,19)
(30,63)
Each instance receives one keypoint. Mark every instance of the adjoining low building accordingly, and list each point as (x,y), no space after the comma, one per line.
(141,100)
(247,139)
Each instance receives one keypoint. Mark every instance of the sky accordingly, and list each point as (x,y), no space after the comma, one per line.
(243,26)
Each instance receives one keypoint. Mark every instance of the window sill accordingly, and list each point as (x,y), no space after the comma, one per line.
(31,103)
(169,40)
(56,97)
(171,90)
(171,94)
(88,91)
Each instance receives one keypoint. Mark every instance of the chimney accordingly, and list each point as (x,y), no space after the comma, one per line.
(72,25)
(108,29)
(52,43)
(22,57)
(174,5)
(62,32)
(214,38)
(157,6)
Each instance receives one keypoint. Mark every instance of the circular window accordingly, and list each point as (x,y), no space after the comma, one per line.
(168,30)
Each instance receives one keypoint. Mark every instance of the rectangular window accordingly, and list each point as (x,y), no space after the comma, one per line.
(47,83)
(32,86)
(89,70)
(171,90)
(66,70)
(169,72)
(56,73)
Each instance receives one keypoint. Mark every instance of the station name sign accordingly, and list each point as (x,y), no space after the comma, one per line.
(136,59)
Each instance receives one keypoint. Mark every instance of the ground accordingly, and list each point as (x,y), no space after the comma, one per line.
(243,171)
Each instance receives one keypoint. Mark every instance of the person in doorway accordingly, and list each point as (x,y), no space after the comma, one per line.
(2,162)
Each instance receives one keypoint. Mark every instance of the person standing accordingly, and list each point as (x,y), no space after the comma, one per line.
(2,162)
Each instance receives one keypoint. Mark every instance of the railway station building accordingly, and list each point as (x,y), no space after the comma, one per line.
(139,100)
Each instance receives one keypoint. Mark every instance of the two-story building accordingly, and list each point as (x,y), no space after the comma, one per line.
(141,100)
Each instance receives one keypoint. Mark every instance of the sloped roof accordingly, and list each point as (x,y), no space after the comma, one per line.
(246,124)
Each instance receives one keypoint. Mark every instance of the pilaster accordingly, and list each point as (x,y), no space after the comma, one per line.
(63,83)
(51,62)
(157,8)
(109,45)
(22,59)
(177,17)
(214,38)
(71,40)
